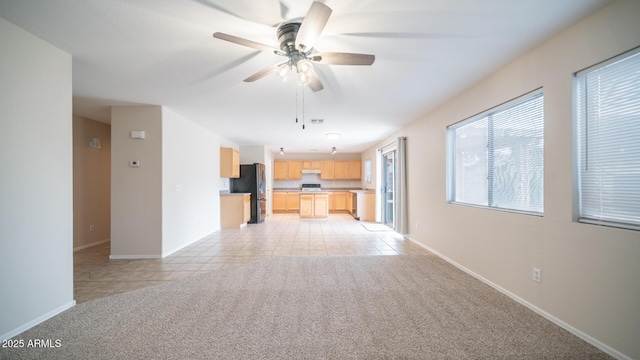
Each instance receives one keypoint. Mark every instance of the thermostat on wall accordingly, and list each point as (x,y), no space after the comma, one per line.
(137,134)
(134,163)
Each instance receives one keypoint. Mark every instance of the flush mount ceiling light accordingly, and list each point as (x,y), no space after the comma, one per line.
(333,135)
(297,38)
(333,150)
(281,151)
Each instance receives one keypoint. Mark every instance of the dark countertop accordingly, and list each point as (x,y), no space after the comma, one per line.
(326,189)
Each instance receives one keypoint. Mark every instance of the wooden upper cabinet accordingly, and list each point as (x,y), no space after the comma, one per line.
(341,169)
(311,165)
(327,171)
(295,169)
(229,163)
(280,170)
(355,169)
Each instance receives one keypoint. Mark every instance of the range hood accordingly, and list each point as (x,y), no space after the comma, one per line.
(311,171)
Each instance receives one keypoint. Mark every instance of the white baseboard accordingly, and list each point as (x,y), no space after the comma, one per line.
(591,340)
(91,245)
(125,257)
(37,321)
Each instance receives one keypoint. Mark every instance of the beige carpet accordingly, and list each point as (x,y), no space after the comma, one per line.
(380,307)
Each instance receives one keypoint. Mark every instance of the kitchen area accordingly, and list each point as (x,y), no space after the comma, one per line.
(312,188)
(316,188)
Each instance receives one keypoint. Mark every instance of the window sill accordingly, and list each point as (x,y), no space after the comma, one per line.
(520,212)
(609,224)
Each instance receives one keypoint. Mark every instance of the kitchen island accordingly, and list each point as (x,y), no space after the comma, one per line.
(314,204)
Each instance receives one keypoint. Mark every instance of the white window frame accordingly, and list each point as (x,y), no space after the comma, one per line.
(450,151)
(579,122)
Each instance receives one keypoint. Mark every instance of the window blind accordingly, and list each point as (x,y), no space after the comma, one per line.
(608,120)
(496,159)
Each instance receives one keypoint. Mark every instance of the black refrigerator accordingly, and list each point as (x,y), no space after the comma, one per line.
(252,180)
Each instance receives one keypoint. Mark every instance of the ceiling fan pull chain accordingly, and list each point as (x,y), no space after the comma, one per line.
(302,87)
(296,105)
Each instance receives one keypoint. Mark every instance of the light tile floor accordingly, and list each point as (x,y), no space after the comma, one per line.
(96,276)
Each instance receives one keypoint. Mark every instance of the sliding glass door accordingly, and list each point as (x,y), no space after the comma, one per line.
(389,188)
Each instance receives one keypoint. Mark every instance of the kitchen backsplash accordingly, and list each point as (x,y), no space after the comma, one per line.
(315,179)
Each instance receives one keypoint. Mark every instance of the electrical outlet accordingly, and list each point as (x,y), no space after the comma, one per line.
(537,275)
(92,228)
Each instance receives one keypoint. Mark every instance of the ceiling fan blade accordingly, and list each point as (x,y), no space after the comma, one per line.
(262,73)
(312,25)
(244,42)
(284,11)
(402,35)
(335,58)
(315,84)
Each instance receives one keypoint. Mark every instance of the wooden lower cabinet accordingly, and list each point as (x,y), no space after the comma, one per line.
(320,205)
(279,200)
(286,201)
(314,205)
(235,210)
(306,205)
(247,208)
(293,201)
(338,201)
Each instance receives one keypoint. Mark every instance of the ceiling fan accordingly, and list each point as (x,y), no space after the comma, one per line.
(297,38)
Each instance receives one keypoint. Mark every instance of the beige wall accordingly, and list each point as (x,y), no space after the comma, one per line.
(136,193)
(36,181)
(590,274)
(91,183)
(173,198)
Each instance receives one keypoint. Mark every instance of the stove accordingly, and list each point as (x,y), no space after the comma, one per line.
(310,187)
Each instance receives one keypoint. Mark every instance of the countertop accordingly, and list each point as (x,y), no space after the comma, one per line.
(328,190)
(233,194)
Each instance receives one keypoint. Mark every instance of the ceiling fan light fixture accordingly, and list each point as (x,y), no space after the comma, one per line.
(305,66)
(283,71)
(297,38)
(305,71)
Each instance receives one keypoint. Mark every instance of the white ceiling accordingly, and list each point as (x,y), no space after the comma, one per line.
(162,52)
